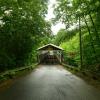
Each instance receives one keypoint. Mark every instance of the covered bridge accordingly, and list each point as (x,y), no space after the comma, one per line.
(50,54)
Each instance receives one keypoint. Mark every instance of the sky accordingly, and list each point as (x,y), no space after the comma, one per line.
(50,15)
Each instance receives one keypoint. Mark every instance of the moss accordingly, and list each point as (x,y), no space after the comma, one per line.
(16,72)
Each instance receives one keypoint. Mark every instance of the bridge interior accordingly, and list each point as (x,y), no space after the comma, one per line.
(50,54)
(49,59)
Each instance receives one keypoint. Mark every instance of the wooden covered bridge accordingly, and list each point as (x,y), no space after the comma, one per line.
(50,54)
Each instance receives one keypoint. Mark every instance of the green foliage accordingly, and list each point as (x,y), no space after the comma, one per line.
(72,56)
(21,29)
(64,35)
(69,12)
(71,45)
(71,48)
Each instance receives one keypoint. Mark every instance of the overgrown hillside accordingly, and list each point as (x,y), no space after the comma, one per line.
(72,49)
(81,44)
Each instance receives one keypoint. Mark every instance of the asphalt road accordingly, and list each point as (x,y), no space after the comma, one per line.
(50,82)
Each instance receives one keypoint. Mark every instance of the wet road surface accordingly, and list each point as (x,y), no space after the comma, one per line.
(50,82)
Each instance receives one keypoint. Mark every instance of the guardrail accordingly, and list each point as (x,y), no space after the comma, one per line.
(11,73)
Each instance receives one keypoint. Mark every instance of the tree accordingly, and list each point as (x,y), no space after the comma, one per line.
(22,27)
(68,13)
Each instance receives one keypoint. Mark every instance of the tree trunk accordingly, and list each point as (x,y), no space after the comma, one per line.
(91,39)
(80,41)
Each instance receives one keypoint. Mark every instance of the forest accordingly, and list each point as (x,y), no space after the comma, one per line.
(23,29)
(81,43)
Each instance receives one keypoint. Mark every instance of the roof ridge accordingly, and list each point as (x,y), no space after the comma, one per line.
(51,45)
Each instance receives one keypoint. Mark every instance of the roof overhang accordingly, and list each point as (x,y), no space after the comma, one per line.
(50,45)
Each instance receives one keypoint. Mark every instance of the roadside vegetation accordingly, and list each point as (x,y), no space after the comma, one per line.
(81,43)
(22,30)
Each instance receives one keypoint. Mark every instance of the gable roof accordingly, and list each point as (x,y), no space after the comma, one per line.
(50,45)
